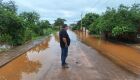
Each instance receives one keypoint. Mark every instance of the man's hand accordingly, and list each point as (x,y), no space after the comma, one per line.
(65,41)
(66,45)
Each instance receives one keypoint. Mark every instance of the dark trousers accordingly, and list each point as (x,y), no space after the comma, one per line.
(64,54)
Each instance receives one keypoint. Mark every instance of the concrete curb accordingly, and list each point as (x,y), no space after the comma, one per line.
(10,55)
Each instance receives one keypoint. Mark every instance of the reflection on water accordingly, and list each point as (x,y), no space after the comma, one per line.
(125,56)
(14,70)
(41,46)
(31,65)
(72,36)
(56,37)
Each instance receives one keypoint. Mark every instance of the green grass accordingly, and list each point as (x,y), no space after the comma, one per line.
(39,37)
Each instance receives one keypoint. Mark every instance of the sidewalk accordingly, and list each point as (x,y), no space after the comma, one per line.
(8,56)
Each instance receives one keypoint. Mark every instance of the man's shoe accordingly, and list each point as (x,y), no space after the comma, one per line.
(66,63)
(65,66)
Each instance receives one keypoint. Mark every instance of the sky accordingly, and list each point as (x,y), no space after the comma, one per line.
(70,10)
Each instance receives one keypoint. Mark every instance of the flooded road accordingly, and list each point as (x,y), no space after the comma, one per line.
(43,62)
(126,56)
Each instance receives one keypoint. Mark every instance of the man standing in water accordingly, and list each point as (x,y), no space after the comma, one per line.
(64,44)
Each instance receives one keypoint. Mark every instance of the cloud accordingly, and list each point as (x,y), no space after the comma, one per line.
(68,9)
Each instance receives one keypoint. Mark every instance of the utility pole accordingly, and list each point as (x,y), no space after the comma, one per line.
(81,21)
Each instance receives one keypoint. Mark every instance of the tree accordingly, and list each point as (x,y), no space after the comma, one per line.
(88,19)
(43,27)
(9,6)
(59,22)
(16,29)
(135,14)
(11,27)
(124,23)
(118,22)
(107,21)
(77,26)
(31,17)
(44,24)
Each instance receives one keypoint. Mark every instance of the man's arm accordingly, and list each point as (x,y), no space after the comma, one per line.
(65,41)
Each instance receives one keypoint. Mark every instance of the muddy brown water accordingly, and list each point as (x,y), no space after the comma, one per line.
(125,56)
(43,61)
(32,63)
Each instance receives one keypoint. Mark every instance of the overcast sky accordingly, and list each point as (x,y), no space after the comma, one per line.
(68,9)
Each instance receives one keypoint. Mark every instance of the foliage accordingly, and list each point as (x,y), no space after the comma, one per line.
(42,28)
(9,6)
(77,26)
(59,22)
(121,21)
(16,29)
(88,19)
(30,17)
(11,25)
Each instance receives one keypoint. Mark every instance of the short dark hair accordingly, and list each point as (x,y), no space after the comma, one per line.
(64,26)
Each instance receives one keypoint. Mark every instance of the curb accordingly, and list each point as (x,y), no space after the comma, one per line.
(10,55)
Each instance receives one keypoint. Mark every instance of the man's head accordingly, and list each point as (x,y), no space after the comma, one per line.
(65,27)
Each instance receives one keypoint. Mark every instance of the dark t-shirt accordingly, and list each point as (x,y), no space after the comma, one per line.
(63,34)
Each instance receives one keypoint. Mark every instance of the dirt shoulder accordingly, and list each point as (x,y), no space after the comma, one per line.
(9,55)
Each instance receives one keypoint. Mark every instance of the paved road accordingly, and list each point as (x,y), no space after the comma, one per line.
(43,63)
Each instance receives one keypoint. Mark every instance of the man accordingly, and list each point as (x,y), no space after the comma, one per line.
(64,44)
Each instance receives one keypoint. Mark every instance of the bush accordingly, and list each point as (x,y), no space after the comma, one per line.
(16,29)
(5,38)
(121,21)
